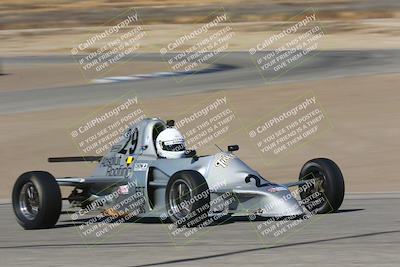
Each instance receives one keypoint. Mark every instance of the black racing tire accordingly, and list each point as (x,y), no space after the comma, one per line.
(195,185)
(331,189)
(36,200)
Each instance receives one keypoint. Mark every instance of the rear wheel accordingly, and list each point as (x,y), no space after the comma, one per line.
(325,194)
(36,200)
(187,198)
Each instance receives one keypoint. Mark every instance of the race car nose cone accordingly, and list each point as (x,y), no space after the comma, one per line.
(271,201)
(281,203)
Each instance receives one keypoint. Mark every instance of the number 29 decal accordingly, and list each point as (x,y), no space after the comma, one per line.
(131,141)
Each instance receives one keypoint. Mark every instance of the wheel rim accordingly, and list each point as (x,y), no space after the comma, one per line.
(179,198)
(29,201)
(320,179)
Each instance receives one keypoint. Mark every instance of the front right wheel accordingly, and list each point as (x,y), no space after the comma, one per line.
(325,193)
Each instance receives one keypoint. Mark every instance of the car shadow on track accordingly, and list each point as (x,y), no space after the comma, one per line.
(222,221)
(348,210)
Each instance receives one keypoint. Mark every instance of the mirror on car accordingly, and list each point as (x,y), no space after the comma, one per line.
(190,153)
(232,148)
(170,123)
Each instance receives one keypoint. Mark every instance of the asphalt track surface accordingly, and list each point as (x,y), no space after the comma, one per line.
(365,232)
(241,73)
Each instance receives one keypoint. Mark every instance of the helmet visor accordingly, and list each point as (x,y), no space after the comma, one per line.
(173,147)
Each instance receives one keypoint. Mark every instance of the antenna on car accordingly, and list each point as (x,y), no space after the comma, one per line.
(219,148)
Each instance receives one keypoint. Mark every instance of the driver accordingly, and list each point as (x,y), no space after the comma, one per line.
(170,144)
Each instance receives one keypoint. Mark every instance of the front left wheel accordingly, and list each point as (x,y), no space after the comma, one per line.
(188,199)
(36,200)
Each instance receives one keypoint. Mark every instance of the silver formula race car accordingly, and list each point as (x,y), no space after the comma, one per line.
(133,177)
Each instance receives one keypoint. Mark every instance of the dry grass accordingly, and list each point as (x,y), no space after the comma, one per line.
(23,14)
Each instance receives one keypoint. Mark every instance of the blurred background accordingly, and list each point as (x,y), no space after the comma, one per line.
(39,26)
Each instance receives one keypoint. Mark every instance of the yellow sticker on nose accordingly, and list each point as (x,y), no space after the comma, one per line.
(129,160)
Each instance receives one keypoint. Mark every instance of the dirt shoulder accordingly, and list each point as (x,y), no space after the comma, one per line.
(33,14)
(339,35)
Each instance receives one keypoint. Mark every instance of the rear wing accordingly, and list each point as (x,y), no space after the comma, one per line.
(75,159)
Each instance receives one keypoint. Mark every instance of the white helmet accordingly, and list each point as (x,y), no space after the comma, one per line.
(170,144)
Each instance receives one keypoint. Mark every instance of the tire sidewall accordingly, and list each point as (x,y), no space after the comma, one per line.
(49,200)
(333,182)
(198,185)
